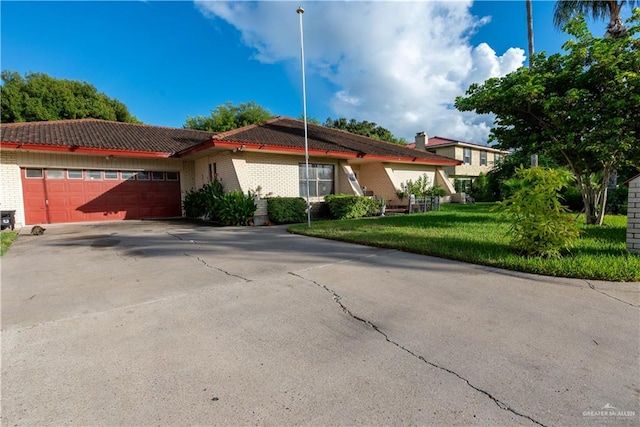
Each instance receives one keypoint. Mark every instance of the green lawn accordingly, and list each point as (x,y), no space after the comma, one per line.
(7,238)
(473,233)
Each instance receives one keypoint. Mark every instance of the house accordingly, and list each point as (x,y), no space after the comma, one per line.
(633,215)
(475,158)
(92,170)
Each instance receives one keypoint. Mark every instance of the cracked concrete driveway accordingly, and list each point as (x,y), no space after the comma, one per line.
(169,323)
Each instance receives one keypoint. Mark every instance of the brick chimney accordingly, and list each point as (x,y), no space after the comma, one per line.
(422,139)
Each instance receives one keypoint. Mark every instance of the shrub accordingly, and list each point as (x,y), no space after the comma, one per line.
(286,210)
(572,198)
(203,202)
(617,200)
(236,208)
(481,189)
(344,206)
(539,225)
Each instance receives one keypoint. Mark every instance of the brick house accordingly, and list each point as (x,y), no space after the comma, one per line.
(92,170)
(633,215)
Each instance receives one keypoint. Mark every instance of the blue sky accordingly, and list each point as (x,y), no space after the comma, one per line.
(397,64)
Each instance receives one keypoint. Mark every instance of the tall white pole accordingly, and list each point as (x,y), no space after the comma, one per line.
(300,11)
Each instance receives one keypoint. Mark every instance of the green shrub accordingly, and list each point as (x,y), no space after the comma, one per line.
(481,189)
(236,208)
(617,200)
(572,198)
(203,202)
(344,206)
(286,210)
(539,225)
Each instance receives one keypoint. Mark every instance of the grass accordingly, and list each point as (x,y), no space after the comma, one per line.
(475,234)
(7,238)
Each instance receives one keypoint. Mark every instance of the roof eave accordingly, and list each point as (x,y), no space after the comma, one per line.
(82,150)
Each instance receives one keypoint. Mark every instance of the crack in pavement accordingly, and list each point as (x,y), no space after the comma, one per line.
(216,268)
(337,299)
(610,296)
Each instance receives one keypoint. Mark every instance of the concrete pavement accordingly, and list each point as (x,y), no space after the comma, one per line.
(168,323)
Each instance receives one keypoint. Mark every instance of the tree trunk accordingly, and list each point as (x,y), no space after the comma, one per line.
(616,28)
(530,29)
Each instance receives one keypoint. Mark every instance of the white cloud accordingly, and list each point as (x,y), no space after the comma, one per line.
(399,64)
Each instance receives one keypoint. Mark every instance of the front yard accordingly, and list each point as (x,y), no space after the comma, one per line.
(475,234)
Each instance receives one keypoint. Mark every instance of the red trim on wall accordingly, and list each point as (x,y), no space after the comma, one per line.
(83,150)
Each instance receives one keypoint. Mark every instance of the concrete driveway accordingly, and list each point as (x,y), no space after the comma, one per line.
(168,323)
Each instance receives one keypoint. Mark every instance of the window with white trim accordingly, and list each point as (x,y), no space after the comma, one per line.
(74,174)
(34,173)
(483,158)
(321,180)
(467,156)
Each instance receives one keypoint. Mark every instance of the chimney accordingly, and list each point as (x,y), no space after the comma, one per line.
(421,141)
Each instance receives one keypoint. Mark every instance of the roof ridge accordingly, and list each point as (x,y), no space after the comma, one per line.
(232,132)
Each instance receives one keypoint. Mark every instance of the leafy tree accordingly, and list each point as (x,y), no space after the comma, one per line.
(229,116)
(579,108)
(311,120)
(566,10)
(38,97)
(539,224)
(365,128)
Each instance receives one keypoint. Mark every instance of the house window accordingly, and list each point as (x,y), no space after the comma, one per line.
(34,173)
(55,173)
(110,174)
(74,174)
(467,156)
(483,158)
(321,180)
(94,175)
(127,175)
(213,171)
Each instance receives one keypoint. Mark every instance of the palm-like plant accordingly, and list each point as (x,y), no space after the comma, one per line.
(596,9)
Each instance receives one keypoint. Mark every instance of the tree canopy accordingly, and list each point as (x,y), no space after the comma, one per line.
(366,128)
(565,10)
(229,116)
(38,97)
(580,108)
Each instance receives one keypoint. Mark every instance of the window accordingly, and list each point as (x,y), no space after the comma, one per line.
(467,156)
(157,176)
(143,176)
(110,174)
(213,171)
(483,158)
(34,173)
(320,180)
(74,174)
(496,158)
(172,176)
(127,175)
(55,174)
(94,175)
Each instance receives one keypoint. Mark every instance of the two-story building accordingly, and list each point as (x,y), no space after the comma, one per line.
(475,158)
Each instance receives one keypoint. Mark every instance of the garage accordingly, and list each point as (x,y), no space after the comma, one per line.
(77,195)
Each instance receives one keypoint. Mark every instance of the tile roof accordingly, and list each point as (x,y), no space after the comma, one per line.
(288,133)
(103,135)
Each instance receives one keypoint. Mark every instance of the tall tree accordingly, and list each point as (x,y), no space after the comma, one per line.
(366,128)
(530,28)
(580,108)
(566,10)
(229,116)
(38,97)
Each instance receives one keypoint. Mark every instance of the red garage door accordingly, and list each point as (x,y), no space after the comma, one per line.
(76,195)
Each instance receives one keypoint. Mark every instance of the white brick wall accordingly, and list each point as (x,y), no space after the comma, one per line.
(633,217)
(11,186)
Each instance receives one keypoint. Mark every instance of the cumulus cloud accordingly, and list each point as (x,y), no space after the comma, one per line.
(399,64)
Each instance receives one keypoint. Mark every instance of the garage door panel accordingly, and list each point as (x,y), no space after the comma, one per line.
(78,200)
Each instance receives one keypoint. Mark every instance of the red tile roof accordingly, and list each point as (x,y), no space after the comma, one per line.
(286,134)
(280,134)
(94,134)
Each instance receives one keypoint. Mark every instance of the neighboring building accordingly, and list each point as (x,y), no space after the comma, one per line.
(633,215)
(475,158)
(91,170)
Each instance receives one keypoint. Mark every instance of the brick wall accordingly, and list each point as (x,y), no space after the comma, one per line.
(11,186)
(633,217)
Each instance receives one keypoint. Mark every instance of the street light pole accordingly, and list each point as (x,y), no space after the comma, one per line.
(300,11)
